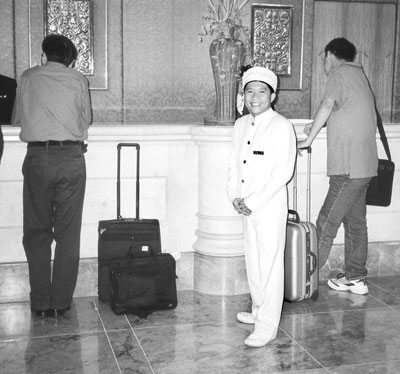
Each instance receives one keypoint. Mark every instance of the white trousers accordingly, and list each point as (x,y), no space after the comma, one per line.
(264,239)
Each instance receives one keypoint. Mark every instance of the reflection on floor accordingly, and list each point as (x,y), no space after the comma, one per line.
(338,333)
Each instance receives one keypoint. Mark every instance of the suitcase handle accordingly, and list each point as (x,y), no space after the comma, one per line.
(295,214)
(308,192)
(314,263)
(119,146)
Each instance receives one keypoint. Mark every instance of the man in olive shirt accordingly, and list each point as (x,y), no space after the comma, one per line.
(53,109)
(348,108)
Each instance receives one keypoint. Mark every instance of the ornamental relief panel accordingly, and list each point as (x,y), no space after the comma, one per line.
(73,19)
(272,37)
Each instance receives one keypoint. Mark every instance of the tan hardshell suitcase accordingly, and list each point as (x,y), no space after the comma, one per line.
(301,252)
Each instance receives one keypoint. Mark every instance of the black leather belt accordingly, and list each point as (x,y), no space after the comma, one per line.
(52,143)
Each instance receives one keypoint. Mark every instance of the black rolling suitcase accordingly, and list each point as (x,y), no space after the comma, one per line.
(122,238)
(301,252)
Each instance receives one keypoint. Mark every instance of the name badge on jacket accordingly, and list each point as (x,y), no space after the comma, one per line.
(258,152)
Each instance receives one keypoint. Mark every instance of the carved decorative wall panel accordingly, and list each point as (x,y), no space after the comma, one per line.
(74,19)
(272,37)
(277,35)
(84,22)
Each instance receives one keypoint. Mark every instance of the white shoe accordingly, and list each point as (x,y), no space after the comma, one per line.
(341,283)
(245,317)
(256,342)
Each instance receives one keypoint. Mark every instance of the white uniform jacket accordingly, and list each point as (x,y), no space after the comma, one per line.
(262,158)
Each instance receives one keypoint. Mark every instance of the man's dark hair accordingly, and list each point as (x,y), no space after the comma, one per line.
(58,48)
(342,49)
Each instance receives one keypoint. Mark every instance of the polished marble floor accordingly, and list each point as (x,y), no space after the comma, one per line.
(338,333)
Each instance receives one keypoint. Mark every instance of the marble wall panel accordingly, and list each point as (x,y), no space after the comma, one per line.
(164,66)
(383,259)
(21,37)
(14,282)
(12,191)
(89,236)
(11,244)
(108,104)
(14,278)
(383,223)
(220,275)
(396,96)
(7,58)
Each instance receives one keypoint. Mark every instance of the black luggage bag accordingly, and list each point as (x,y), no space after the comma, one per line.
(143,284)
(379,192)
(123,237)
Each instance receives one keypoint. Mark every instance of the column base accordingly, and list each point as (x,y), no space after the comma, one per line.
(220,275)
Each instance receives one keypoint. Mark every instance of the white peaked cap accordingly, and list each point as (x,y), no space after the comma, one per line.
(261,74)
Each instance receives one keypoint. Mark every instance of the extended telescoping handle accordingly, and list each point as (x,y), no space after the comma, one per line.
(308,194)
(119,146)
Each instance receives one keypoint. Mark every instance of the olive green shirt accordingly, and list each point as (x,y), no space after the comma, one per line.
(52,103)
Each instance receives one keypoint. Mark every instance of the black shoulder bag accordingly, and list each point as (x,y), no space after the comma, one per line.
(379,191)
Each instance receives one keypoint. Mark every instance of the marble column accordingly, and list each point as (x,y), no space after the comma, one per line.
(219,266)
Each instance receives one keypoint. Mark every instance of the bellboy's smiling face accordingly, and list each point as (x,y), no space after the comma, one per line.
(258,97)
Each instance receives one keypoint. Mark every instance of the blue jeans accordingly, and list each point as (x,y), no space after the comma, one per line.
(345,203)
(53,193)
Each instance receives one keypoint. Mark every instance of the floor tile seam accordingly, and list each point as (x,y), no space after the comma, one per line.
(305,314)
(395,308)
(28,302)
(384,290)
(107,336)
(387,305)
(182,324)
(140,345)
(15,339)
(311,313)
(300,371)
(29,337)
(335,311)
(15,302)
(360,364)
(304,349)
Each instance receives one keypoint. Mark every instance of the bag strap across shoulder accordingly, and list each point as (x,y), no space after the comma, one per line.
(383,134)
(381,130)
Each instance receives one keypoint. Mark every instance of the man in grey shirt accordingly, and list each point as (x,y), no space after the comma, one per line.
(53,109)
(348,108)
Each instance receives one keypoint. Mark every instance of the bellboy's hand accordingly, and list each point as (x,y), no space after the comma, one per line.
(246,211)
(240,206)
(236,202)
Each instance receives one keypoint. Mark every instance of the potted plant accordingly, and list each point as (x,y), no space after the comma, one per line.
(228,52)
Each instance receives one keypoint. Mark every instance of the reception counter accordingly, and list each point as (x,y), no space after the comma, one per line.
(183,184)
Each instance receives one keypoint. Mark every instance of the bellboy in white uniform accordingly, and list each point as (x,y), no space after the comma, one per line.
(261,164)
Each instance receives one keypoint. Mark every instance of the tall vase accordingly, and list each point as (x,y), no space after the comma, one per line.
(226,60)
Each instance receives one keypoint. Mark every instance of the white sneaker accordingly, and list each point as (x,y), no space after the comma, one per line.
(245,317)
(341,283)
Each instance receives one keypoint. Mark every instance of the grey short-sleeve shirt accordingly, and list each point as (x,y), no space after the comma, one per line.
(351,127)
